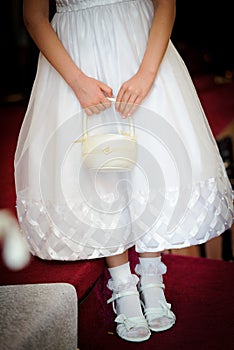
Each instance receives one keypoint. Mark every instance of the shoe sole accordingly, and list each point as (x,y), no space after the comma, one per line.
(136,340)
(161,329)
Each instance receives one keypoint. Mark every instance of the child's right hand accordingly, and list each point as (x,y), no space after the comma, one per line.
(92,94)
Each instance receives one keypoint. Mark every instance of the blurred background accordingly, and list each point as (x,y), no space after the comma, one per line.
(203,35)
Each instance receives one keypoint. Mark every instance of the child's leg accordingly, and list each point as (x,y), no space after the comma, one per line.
(157,310)
(116,260)
(132,325)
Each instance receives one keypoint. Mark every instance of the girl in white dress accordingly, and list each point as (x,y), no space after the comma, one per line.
(177,195)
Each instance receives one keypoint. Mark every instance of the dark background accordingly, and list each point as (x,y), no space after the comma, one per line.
(203,34)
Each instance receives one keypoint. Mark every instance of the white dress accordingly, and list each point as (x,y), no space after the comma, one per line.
(177,195)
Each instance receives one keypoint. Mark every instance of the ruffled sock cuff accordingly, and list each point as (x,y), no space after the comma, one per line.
(150,267)
(119,285)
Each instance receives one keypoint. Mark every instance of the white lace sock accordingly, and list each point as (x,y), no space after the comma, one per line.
(151,271)
(123,280)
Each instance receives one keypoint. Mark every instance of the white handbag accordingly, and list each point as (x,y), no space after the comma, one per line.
(110,151)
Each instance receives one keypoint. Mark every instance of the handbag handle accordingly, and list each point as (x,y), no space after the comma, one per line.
(131,125)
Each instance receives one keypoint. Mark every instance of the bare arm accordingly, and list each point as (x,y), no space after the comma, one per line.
(88,91)
(137,88)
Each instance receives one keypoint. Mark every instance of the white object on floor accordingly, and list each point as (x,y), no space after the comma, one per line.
(15,250)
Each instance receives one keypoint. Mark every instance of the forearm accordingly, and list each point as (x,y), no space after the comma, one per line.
(159,36)
(36,19)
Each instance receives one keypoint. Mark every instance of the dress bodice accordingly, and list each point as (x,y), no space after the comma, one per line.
(76,5)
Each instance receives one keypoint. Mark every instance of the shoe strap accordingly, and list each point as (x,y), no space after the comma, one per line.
(131,322)
(151,285)
(120,295)
(158,312)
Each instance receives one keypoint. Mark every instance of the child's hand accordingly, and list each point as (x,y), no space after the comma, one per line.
(91,94)
(132,93)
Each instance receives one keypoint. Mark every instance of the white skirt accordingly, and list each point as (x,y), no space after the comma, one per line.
(178,193)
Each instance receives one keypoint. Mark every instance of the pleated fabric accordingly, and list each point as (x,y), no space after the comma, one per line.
(177,195)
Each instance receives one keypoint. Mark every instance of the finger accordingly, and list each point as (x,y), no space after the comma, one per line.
(129,107)
(106,103)
(119,98)
(98,108)
(94,109)
(132,107)
(122,102)
(126,106)
(88,111)
(106,89)
(132,110)
(101,107)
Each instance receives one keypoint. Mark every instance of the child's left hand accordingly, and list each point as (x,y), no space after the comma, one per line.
(132,93)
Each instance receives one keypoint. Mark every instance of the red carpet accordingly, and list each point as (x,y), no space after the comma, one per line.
(201,293)
(11,117)
(217,101)
(82,274)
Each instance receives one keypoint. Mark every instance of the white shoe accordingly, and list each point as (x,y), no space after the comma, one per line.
(159,318)
(133,329)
